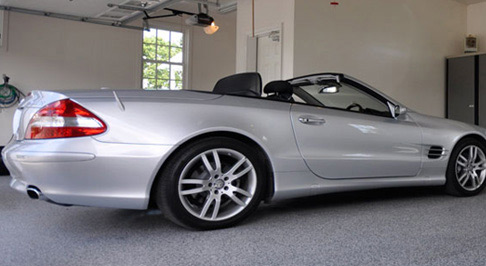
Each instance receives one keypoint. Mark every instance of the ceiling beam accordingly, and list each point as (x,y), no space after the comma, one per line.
(204,2)
(167,3)
(123,22)
(228,8)
(69,17)
(154,8)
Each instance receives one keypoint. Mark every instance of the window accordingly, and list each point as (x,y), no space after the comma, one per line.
(345,96)
(163,60)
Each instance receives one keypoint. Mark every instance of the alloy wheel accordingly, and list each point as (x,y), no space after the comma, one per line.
(217,184)
(471,168)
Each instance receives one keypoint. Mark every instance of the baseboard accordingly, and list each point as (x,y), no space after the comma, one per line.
(3,169)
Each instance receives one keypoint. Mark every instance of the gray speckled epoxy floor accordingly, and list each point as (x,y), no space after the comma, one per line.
(386,227)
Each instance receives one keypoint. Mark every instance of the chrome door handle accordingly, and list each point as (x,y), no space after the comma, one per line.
(311,120)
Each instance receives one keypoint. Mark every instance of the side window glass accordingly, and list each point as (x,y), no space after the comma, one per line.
(297,99)
(345,96)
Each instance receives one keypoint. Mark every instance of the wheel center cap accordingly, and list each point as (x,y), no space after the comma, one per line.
(219,184)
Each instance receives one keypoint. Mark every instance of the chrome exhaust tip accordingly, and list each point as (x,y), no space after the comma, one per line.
(34,193)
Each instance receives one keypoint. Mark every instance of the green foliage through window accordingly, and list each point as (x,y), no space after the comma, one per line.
(163,60)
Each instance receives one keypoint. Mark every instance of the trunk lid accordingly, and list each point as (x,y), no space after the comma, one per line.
(185,94)
(38,99)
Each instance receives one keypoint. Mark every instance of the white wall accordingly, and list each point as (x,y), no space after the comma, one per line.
(52,54)
(269,14)
(213,56)
(398,46)
(476,23)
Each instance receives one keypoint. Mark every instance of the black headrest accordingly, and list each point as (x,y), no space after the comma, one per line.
(279,86)
(247,84)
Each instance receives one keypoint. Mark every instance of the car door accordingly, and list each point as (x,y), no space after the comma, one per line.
(352,133)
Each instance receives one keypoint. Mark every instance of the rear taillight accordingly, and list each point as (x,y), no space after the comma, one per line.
(64,119)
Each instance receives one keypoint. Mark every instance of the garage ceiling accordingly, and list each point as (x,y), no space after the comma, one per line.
(92,8)
(82,8)
(469,2)
(99,8)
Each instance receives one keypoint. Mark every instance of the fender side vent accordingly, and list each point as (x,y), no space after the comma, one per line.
(435,152)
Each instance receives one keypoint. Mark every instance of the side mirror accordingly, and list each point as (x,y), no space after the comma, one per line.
(396,110)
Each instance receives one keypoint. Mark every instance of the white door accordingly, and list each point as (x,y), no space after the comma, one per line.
(269,56)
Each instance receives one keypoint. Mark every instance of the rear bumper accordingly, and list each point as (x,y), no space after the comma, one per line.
(84,171)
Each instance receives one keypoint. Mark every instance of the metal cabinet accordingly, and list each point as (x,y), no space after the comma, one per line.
(466,89)
(482,90)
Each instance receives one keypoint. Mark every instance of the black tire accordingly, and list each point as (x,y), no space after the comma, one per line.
(453,186)
(3,168)
(167,187)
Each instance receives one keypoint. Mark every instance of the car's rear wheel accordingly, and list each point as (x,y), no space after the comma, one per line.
(213,183)
(466,172)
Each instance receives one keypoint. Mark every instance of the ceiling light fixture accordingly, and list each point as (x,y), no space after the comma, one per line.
(200,19)
(203,20)
(211,29)
(175,13)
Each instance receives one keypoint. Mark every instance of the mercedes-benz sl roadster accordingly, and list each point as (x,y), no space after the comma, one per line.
(207,159)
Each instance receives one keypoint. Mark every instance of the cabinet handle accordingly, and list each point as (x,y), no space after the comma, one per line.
(471,106)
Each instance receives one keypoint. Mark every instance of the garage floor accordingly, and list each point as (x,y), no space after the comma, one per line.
(386,227)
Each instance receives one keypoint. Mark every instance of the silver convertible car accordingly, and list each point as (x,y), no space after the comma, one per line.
(208,159)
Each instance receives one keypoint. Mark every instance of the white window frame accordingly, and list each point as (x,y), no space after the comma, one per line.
(187,33)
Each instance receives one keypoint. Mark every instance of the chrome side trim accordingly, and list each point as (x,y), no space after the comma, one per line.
(51,157)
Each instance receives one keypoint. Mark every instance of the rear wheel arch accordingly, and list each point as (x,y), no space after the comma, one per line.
(270,182)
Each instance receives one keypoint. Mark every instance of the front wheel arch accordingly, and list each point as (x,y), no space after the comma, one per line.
(471,136)
(463,138)
(452,186)
(270,182)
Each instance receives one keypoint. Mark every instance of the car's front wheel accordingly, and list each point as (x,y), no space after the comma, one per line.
(466,172)
(213,183)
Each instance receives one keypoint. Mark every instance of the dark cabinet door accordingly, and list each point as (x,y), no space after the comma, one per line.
(461,89)
(482,90)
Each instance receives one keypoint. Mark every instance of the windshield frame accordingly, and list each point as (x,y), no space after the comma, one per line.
(352,81)
(315,79)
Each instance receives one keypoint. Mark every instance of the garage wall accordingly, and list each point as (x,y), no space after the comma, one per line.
(52,54)
(213,56)
(398,46)
(476,23)
(269,14)
(48,53)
